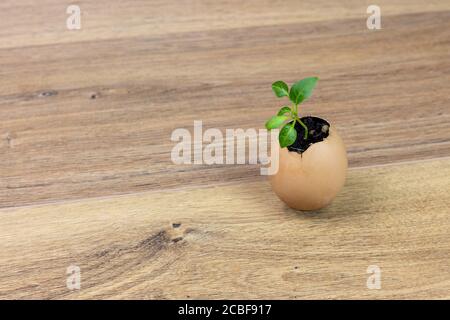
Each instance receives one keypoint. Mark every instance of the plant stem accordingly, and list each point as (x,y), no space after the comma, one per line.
(305,135)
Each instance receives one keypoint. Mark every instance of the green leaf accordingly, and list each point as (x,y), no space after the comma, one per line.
(284,110)
(275,122)
(288,135)
(302,89)
(280,88)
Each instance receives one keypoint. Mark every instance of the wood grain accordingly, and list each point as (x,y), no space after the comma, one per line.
(238,241)
(86,177)
(90,113)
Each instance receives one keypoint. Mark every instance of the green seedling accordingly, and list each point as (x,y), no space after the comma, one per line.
(288,115)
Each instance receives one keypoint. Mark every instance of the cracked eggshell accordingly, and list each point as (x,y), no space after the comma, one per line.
(311,180)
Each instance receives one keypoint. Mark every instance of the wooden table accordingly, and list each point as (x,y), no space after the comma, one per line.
(87,180)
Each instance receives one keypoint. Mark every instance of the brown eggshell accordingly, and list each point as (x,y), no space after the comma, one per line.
(311,180)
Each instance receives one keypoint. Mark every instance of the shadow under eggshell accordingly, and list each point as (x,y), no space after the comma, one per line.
(311,180)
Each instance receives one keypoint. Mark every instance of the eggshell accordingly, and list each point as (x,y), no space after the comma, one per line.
(311,180)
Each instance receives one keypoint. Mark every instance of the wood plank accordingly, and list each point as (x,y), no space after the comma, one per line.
(92,115)
(238,241)
(26,23)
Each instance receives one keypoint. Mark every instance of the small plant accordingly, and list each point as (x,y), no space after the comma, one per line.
(299,92)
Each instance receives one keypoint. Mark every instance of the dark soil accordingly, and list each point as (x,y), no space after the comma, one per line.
(318,130)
